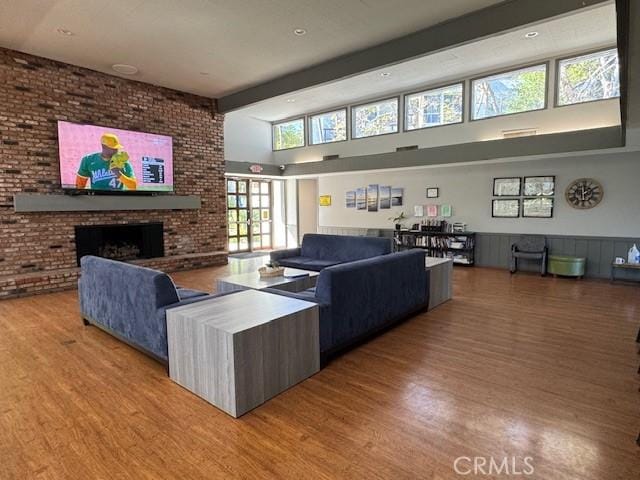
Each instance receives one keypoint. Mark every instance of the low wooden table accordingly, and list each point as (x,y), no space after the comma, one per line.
(624,267)
(253,281)
(239,350)
(440,280)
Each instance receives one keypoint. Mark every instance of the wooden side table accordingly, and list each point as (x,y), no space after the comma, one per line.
(624,267)
(239,350)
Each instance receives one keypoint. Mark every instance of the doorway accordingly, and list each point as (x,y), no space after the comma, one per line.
(249,214)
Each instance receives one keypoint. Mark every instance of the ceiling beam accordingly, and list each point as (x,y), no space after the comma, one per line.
(467,28)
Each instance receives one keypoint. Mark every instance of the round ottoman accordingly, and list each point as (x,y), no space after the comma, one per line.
(566,266)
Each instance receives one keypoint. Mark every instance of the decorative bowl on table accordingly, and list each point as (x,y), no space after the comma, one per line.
(271,271)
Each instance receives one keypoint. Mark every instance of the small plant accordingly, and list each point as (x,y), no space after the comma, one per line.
(398,219)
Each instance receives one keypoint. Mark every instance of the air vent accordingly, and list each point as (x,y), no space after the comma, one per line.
(331,157)
(404,149)
(520,132)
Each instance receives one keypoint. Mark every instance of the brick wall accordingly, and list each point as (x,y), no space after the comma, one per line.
(37,251)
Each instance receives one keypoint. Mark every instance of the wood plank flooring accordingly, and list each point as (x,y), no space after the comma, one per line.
(513,366)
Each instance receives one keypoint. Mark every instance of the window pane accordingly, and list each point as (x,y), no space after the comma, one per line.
(232,216)
(231,201)
(265,215)
(288,134)
(242,215)
(375,118)
(255,187)
(255,200)
(243,229)
(244,243)
(256,241)
(231,186)
(434,107)
(328,127)
(264,201)
(255,215)
(255,228)
(233,229)
(242,201)
(589,77)
(511,92)
(233,244)
(266,227)
(242,187)
(264,188)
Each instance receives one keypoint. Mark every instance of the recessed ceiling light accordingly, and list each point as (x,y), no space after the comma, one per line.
(204,73)
(64,31)
(291,100)
(385,74)
(299,32)
(531,35)
(125,69)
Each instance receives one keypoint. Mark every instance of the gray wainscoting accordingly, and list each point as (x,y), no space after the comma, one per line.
(494,249)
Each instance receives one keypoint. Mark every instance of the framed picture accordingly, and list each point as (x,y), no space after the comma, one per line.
(325,200)
(445,210)
(372,198)
(505,208)
(396,196)
(433,192)
(350,199)
(539,207)
(432,210)
(507,187)
(539,186)
(418,211)
(385,197)
(361,198)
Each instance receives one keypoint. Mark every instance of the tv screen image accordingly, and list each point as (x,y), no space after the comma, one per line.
(109,159)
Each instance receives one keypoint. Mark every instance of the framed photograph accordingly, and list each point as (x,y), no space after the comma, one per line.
(505,208)
(385,197)
(325,200)
(350,199)
(445,210)
(396,196)
(539,186)
(432,210)
(372,198)
(361,198)
(418,211)
(539,207)
(507,187)
(433,192)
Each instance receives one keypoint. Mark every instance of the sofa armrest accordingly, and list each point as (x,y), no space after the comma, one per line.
(289,252)
(305,295)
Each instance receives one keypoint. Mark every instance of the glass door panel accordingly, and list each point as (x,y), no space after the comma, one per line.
(238,215)
(249,214)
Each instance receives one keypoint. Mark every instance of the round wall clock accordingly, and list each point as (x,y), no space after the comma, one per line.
(584,193)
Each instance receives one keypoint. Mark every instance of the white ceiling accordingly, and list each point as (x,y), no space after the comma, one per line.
(237,43)
(582,31)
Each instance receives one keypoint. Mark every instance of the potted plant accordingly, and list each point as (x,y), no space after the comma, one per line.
(398,219)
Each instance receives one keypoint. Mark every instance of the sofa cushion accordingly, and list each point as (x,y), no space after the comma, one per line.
(185,293)
(306,263)
(343,248)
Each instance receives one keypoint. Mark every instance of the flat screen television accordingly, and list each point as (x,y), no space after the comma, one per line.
(102,159)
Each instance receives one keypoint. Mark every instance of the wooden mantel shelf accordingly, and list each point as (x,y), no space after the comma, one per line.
(84,203)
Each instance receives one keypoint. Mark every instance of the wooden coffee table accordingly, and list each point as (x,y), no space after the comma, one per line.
(239,350)
(252,281)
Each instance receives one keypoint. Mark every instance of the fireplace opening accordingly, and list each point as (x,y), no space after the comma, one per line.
(120,242)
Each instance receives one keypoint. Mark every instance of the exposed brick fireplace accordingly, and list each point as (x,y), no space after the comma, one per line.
(120,242)
(38,250)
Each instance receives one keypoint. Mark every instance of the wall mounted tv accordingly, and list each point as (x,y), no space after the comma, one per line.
(109,160)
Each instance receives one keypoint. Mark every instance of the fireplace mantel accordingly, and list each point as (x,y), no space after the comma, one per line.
(24,202)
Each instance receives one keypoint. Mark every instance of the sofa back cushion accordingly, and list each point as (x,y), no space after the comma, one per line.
(344,248)
(366,294)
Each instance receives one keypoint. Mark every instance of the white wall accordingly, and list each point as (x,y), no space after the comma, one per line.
(469,190)
(246,139)
(307,207)
(552,120)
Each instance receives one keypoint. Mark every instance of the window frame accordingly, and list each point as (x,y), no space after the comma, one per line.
(287,120)
(429,89)
(347,117)
(398,98)
(545,105)
(556,89)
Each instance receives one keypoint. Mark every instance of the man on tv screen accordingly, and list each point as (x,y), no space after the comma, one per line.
(109,169)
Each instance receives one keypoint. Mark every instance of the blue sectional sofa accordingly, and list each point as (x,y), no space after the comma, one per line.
(360,298)
(320,251)
(130,302)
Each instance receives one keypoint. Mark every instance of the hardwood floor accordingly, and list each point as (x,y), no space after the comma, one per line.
(513,366)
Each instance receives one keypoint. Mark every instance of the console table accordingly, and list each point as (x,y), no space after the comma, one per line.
(631,267)
(239,350)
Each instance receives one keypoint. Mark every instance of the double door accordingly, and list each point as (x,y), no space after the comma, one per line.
(249,214)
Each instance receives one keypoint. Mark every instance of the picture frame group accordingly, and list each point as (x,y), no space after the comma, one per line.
(374,197)
(529,197)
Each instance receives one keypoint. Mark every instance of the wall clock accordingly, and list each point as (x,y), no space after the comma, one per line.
(584,193)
